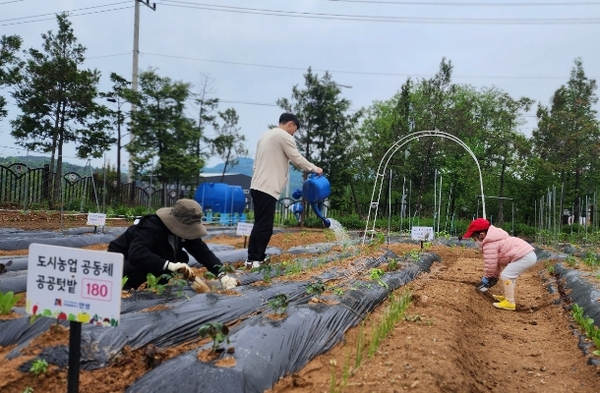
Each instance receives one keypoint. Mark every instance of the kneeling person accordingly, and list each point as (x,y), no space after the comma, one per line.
(155,242)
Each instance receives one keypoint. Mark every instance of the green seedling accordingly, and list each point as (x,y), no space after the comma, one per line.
(218,332)
(8,301)
(39,366)
(587,324)
(153,283)
(394,314)
(124,281)
(226,268)
(28,389)
(292,268)
(379,238)
(209,276)
(590,259)
(279,304)
(392,265)
(571,260)
(317,287)
(376,274)
(176,282)
(338,291)
(414,255)
(265,269)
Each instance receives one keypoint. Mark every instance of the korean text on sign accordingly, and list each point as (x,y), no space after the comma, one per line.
(75,284)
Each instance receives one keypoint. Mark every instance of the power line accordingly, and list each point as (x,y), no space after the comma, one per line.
(346,17)
(465,4)
(100,57)
(51,16)
(383,19)
(348,71)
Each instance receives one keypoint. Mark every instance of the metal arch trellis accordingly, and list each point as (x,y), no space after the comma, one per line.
(381,170)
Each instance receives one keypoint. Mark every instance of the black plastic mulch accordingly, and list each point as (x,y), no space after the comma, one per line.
(266,349)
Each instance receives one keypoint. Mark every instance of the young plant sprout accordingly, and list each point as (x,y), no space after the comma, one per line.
(317,287)
(226,268)
(39,366)
(153,283)
(376,274)
(8,301)
(218,332)
(279,304)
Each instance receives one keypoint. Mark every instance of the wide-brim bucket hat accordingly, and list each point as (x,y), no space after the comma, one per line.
(184,219)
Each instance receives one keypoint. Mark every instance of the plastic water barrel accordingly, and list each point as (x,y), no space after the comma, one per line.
(220,198)
(316,188)
(297,208)
(237,202)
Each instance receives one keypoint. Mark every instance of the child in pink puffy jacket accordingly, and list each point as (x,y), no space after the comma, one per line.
(501,251)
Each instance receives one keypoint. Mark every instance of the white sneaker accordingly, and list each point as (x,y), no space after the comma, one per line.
(253,264)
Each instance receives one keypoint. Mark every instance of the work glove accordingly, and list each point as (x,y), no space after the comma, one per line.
(228,282)
(486,283)
(179,267)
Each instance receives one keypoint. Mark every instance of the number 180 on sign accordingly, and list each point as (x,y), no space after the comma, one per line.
(97,289)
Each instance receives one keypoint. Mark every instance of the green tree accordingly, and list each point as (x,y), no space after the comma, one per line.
(118,95)
(568,136)
(162,131)
(9,65)
(56,98)
(486,120)
(504,147)
(327,132)
(207,107)
(229,143)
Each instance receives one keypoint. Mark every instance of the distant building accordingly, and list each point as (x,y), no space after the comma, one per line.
(233,179)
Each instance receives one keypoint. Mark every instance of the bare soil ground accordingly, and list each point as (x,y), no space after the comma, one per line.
(451,339)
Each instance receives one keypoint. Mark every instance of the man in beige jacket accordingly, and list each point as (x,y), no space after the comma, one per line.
(275,150)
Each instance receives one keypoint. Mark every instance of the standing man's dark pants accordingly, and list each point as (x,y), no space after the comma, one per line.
(264,215)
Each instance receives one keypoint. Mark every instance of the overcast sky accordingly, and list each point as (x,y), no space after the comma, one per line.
(255,51)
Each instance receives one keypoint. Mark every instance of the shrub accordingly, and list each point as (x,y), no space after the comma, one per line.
(352,222)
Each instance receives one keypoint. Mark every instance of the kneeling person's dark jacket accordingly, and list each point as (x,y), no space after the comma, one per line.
(145,246)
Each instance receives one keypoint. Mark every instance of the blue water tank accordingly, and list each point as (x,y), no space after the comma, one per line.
(316,189)
(297,208)
(220,198)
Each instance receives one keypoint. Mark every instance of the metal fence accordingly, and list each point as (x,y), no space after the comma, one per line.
(24,187)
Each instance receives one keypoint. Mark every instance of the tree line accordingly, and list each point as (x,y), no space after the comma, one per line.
(60,103)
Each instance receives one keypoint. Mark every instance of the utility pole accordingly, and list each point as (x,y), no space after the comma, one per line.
(136,53)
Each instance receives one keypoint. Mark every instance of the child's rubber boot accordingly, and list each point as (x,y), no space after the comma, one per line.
(508,302)
(498,297)
(505,305)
